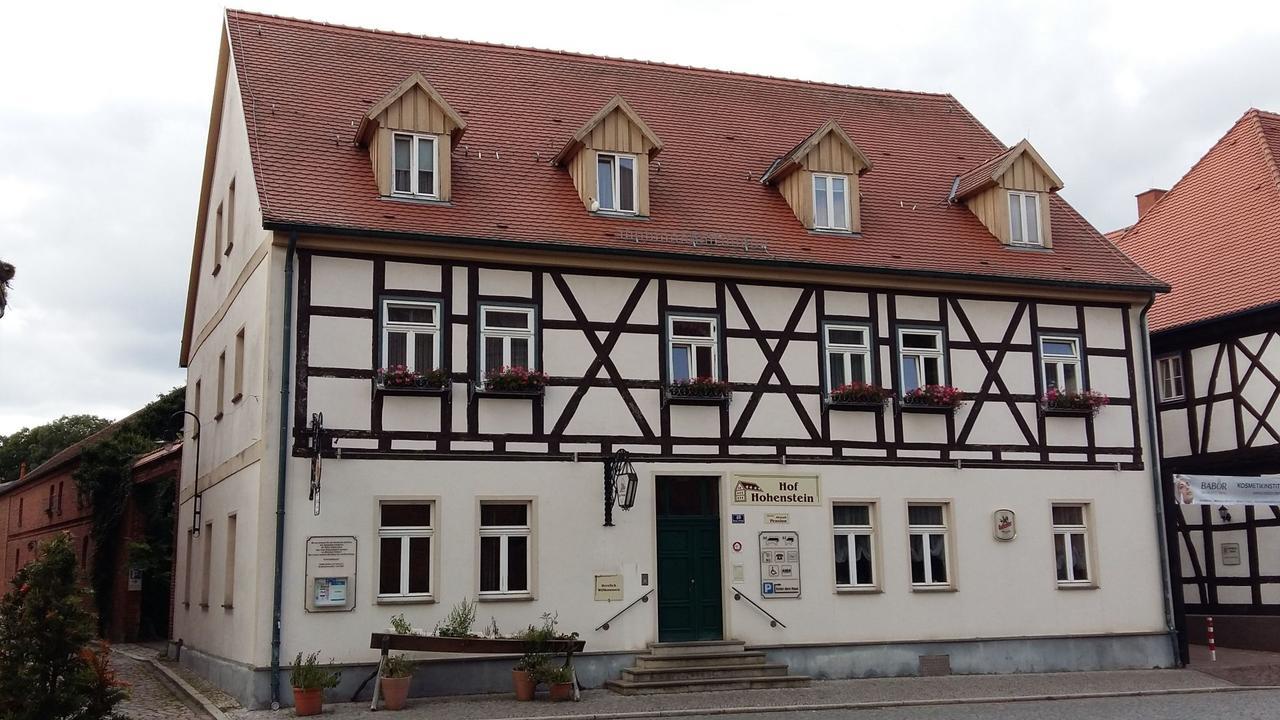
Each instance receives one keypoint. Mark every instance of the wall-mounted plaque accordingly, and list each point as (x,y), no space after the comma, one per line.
(608,587)
(1230,553)
(1004,525)
(777,518)
(331,573)
(779,565)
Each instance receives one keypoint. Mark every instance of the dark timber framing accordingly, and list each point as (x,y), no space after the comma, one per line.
(549,437)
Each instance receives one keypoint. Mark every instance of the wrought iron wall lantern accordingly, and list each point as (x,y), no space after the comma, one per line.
(196,499)
(317,452)
(620,484)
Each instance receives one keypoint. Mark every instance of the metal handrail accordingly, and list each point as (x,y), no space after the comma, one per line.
(773,621)
(643,598)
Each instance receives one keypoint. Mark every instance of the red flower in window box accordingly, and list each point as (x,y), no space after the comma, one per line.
(1090,401)
(700,387)
(400,376)
(515,379)
(943,396)
(858,392)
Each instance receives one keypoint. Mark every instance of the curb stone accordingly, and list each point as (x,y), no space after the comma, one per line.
(883,704)
(212,710)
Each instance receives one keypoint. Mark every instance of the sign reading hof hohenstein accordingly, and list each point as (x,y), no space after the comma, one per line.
(775,490)
(331,573)
(779,565)
(608,587)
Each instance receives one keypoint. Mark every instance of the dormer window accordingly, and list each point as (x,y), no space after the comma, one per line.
(830,202)
(414,165)
(1024,219)
(616,182)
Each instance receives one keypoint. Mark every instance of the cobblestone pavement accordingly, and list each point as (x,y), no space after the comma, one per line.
(150,697)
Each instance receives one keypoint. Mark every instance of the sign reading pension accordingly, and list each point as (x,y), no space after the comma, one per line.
(775,490)
(1226,490)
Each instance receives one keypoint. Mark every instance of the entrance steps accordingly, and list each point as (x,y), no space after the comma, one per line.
(700,667)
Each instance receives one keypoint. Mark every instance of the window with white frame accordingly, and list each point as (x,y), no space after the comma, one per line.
(920,352)
(616,182)
(504,548)
(1024,219)
(830,202)
(692,347)
(405,534)
(1071,543)
(848,350)
(854,545)
(413,165)
(506,337)
(927,530)
(411,334)
(1169,376)
(1060,364)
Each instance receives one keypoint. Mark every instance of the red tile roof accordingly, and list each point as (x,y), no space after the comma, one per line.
(305,85)
(1215,236)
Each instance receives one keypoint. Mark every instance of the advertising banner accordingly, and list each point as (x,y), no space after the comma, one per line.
(1226,490)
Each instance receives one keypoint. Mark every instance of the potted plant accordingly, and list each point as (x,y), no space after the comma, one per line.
(1084,402)
(457,624)
(524,676)
(934,396)
(706,389)
(401,377)
(397,671)
(400,626)
(515,379)
(309,681)
(859,394)
(559,682)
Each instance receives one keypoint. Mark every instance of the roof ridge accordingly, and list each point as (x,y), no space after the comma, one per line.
(246,14)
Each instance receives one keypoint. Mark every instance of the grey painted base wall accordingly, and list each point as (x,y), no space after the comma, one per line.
(462,676)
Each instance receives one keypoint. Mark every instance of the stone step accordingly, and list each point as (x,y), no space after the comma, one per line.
(624,687)
(696,648)
(703,672)
(742,658)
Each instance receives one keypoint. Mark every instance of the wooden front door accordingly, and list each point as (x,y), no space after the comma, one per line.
(689,593)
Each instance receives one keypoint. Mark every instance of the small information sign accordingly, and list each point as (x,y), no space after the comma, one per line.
(1230,553)
(779,565)
(608,588)
(331,573)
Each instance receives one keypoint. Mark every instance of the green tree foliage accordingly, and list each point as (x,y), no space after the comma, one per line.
(7,272)
(48,666)
(37,444)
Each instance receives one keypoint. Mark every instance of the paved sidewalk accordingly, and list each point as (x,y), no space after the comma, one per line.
(150,696)
(887,691)
(1241,667)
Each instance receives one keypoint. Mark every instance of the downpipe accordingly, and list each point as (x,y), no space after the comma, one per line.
(286,353)
(1157,482)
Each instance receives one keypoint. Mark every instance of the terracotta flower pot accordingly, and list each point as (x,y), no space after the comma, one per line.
(395,691)
(562,691)
(524,683)
(307,701)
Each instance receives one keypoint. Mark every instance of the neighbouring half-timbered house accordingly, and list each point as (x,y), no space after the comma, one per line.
(1215,236)
(678,355)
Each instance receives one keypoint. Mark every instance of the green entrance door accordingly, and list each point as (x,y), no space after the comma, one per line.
(688,559)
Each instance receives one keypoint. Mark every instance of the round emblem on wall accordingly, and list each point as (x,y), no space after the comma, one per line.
(1004,525)
(737,546)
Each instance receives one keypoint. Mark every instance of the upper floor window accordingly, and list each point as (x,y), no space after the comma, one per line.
(616,182)
(927,530)
(848,354)
(405,534)
(1071,544)
(854,546)
(830,202)
(504,548)
(921,358)
(1024,219)
(413,165)
(692,344)
(1169,375)
(506,337)
(411,334)
(1060,362)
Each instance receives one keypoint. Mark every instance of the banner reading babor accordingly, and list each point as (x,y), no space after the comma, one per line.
(1226,490)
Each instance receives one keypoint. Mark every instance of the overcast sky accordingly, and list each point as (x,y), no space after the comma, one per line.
(103,112)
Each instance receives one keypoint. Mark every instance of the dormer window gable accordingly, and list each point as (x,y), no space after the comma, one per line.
(410,135)
(819,178)
(608,160)
(1010,195)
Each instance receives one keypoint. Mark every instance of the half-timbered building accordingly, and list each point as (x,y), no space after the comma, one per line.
(1215,236)
(676,354)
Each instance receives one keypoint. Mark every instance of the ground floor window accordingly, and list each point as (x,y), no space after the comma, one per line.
(927,528)
(854,545)
(504,548)
(1071,544)
(405,533)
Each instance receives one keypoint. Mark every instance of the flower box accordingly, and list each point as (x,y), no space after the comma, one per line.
(698,391)
(1086,403)
(400,380)
(932,399)
(857,396)
(511,382)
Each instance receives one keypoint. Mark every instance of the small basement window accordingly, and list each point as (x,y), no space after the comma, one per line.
(830,202)
(1024,219)
(616,182)
(413,165)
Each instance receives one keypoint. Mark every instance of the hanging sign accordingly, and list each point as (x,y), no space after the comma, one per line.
(1226,490)
(775,490)
(1004,525)
(779,565)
